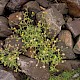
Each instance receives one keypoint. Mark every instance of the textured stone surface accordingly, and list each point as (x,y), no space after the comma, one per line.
(5,75)
(13,42)
(32,6)
(53,18)
(66,37)
(68,65)
(15,18)
(66,52)
(61,7)
(31,67)
(74,7)
(74,27)
(43,3)
(77,46)
(16,4)
(4,29)
(2,5)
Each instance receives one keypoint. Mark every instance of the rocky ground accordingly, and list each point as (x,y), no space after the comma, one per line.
(63,16)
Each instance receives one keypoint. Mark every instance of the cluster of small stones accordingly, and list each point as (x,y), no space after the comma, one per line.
(63,18)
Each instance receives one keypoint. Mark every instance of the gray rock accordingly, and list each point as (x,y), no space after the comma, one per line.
(32,6)
(66,51)
(2,5)
(61,7)
(74,27)
(53,18)
(4,29)
(68,65)
(31,67)
(5,75)
(16,4)
(76,48)
(13,42)
(43,3)
(66,37)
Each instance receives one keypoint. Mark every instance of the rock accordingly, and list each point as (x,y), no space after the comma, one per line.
(30,52)
(2,5)
(74,7)
(68,65)
(31,67)
(66,51)
(32,6)
(76,48)
(13,42)
(53,18)
(61,7)
(74,27)
(16,4)
(43,3)
(66,37)
(4,29)
(15,18)
(5,75)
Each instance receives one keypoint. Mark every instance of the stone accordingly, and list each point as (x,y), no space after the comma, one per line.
(76,48)
(61,7)
(53,18)
(5,75)
(74,27)
(14,5)
(32,6)
(13,42)
(66,51)
(68,65)
(43,3)
(4,29)
(66,37)
(33,68)
(74,7)
(30,52)
(15,18)
(2,5)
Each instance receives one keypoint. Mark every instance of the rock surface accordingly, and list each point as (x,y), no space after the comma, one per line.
(68,65)
(74,27)
(77,46)
(31,67)
(66,51)
(66,37)
(53,18)
(32,6)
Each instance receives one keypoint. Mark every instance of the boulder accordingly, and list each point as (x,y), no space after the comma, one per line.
(4,29)
(53,19)
(2,5)
(33,68)
(13,42)
(66,51)
(43,3)
(76,48)
(68,65)
(74,7)
(66,37)
(32,6)
(15,18)
(74,27)
(61,7)
(14,5)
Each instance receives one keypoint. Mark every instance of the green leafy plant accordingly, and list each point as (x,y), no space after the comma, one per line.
(66,75)
(38,37)
(9,58)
